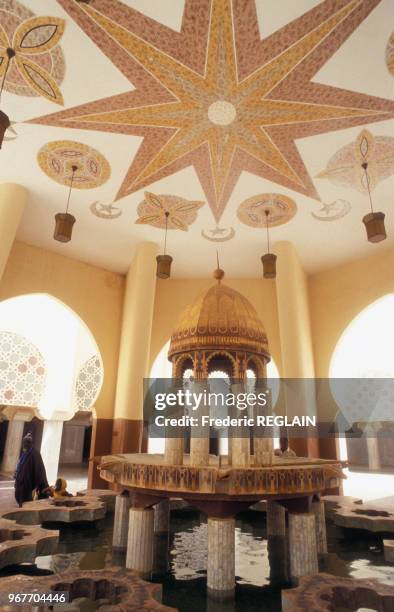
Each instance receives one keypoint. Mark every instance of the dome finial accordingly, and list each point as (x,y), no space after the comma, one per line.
(218,274)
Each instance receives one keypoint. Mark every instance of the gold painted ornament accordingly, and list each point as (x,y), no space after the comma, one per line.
(181,212)
(281,210)
(56,159)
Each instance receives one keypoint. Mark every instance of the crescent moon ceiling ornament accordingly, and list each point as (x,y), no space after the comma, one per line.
(334,211)
(390,54)
(105,211)
(154,208)
(281,210)
(344,167)
(219,234)
(57,158)
(215,96)
(37,67)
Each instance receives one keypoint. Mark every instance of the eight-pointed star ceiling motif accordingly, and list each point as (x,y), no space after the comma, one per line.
(217,97)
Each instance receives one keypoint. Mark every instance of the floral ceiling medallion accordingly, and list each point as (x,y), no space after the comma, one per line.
(345,169)
(38,67)
(281,210)
(105,211)
(182,213)
(57,158)
(218,234)
(390,54)
(333,211)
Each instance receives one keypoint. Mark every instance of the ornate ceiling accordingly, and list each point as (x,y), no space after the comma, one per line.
(206,102)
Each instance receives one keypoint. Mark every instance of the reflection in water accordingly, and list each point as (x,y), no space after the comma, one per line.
(260,569)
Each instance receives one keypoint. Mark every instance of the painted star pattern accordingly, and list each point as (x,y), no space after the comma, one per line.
(218,98)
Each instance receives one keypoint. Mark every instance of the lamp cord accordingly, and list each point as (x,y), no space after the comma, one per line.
(74,168)
(10,54)
(365,166)
(167,214)
(268,234)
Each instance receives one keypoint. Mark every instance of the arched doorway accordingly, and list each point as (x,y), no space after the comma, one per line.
(51,369)
(364,355)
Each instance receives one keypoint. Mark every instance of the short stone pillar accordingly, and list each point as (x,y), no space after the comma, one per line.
(263,451)
(162,517)
(173,454)
(199,434)
(140,541)
(320,526)
(221,558)
(13,446)
(371,432)
(121,521)
(302,545)
(240,451)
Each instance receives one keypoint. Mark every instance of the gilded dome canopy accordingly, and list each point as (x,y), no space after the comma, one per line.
(220,318)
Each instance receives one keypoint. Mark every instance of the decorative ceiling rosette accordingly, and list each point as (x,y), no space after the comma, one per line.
(345,166)
(38,67)
(182,213)
(390,54)
(281,210)
(57,158)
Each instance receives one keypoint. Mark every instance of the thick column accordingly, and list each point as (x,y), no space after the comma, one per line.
(13,446)
(295,340)
(121,521)
(302,545)
(134,350)
(320,525)
(161,536)
(221,558)
(276,519)
(162,516)
(140,541)
(50,448)
(277,542)
(12,203)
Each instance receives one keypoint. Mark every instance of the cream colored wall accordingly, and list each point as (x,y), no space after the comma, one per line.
(338,295)
(96,295)
(173,295)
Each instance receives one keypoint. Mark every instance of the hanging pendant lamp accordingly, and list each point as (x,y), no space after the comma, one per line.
(4,119)
(163,269)
(64,221)
(373,221)
(269,259)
